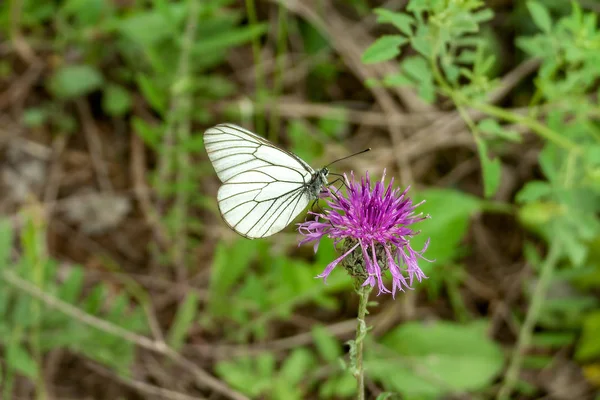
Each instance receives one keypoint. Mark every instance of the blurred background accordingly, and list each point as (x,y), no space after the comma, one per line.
(119,280)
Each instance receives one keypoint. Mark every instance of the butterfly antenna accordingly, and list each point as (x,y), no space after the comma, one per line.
(351,155)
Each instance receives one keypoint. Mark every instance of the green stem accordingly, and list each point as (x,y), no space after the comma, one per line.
(489,109)
(526,331)
(533,124)
(361,333)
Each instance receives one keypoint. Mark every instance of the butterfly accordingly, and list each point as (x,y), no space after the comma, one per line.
(264,186)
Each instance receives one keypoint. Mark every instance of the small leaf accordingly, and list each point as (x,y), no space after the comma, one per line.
(18,358)
(186,314)
(6,238)
(553,339)
(533,191)
(422,44)
(35,117)
(225,39)
(491,169)
(401,21)
(75,80)
(383,49)
(397,80)
(296,366)
(147,28)
(540,15)
(418,69)
(153,93)
(116,101)
(537,362)
(72,286)
(150,134)
(327,346)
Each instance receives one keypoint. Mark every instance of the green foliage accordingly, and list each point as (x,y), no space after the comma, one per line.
(454,62)
(185,317)
(436,359)
(116,101)
(30,327)
(135,56)
(451,211)
(540,16)
(588,347)
(294,376)
(385,48)
(261,375)
(73,81)
(272,287)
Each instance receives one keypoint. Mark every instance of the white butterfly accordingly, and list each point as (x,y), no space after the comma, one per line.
(264,187)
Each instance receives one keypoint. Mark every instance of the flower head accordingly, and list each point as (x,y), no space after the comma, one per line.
(373,227)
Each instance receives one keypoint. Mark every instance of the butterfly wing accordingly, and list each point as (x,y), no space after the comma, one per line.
(264,187)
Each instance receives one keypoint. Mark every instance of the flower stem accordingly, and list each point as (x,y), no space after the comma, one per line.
(525,333)
(361,333)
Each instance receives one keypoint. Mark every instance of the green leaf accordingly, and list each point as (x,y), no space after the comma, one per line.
(151,135)
(491,169)
(75,80)
(116,100)
(418,69)
(541,16)
(533,191)
(383,49)
(35,117)
(450,211)
(242,375)
(401,21)
(397,80)
(437,358)
(588,347)
(6,238)
(327,346)
(85,12)
(72,286)
(553,339)
(225,39)
(229,264)
(18,358)
(342,386)
(186,314)
(296,366)
(537,361)
(422,44)
(148,28)
(154,94)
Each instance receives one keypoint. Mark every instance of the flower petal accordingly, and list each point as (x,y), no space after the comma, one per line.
(333,264)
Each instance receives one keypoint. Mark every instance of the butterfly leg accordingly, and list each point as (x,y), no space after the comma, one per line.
(337,189)
(316,202)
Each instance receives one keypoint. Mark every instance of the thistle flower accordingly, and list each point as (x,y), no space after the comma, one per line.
(373,227)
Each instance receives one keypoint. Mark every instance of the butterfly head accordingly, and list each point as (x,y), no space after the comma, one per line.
(322,177)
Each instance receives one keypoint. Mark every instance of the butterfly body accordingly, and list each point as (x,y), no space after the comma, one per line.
(264,187)
(319,180)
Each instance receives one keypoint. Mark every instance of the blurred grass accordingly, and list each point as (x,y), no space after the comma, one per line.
(103,103)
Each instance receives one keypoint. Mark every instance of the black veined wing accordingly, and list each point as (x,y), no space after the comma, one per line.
(264,187)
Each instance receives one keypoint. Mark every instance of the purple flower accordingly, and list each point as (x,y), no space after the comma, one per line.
(378,221)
